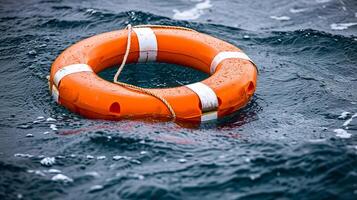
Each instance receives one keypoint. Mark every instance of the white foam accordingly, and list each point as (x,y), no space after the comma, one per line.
(96,188)
(254,176)
(322,1)
(341,133)
(193,13)
(344,115)
(349,120)
(317,140)
(91,11)
(280,18)
(121,157)
(136,161)
(93,173)
(101,157)
(37,172)
(48,161)
(23,155)
(89,157)
(50,119)
(32,52)
(54,171)
(61,177)
(342,26)
(297,10)
(53,127)
(117,157)
(138,176)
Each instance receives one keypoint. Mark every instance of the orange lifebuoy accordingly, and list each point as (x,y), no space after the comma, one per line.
(75,85)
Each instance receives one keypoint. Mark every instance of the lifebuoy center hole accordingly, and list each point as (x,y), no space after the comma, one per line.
(155,75)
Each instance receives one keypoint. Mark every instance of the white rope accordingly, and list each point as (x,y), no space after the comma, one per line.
(163,26)
(125,55)
(143,90)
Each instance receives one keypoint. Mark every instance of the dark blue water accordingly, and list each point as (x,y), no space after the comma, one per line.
(296,139)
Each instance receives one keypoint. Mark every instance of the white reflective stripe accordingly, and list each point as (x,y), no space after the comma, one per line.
(207,97)
(70,69)
(147,44)
(55,93)
(208,116)
(225,55)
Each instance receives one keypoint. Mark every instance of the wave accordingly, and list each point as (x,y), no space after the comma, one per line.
(193,13)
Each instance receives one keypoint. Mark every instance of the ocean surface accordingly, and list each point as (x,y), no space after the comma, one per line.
(296,139)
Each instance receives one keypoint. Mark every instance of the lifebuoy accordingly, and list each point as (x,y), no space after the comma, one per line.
(75,84)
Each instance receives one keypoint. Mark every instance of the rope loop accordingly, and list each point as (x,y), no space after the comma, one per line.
(163,26)
(140,89)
